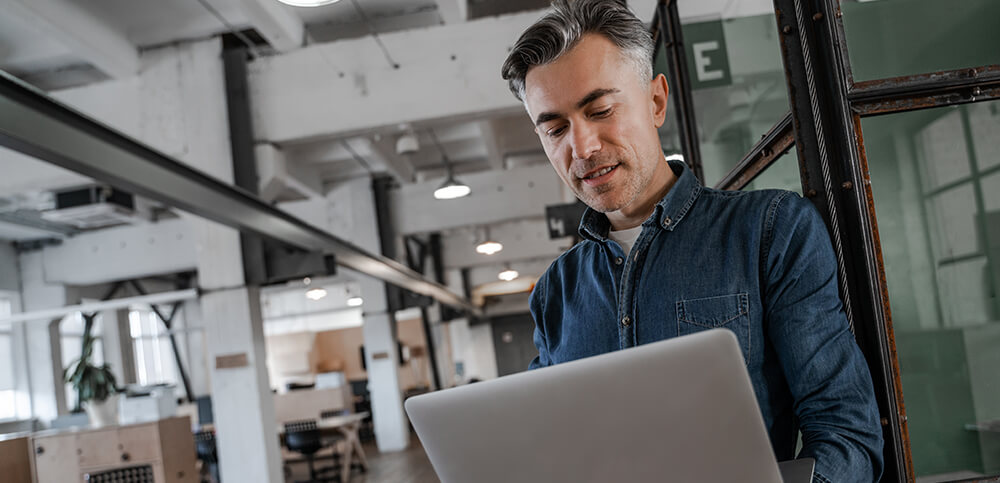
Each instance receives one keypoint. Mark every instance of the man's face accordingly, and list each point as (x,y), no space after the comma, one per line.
(598,121)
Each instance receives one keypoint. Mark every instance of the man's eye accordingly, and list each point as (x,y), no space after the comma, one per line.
(556,132)
(602,114)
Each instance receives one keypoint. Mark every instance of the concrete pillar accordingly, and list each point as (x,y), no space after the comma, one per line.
(117,340)
(195,340)
(352,213)
(191,75)
(41,338)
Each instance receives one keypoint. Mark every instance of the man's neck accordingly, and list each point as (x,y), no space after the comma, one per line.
(644,205)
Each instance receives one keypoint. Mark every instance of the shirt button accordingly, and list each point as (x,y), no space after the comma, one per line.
(626,321)
(618,261)
(666,221)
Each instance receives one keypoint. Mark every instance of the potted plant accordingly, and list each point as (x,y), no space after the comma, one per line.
(95,386)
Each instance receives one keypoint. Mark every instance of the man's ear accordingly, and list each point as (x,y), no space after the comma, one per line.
(659,92)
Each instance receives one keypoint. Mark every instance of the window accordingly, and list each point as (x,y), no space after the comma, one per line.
(154,357)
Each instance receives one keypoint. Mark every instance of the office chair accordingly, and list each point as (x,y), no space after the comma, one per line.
(204,446)
(305,438)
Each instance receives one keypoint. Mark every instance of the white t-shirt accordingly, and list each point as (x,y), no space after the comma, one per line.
(626,238)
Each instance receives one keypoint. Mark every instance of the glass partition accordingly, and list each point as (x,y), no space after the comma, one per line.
(891,38)
(783,174)
(738,84)
(936,181)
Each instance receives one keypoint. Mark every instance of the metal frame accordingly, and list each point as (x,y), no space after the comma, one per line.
(34,124)
(666,28)
(773,145)
(825,125)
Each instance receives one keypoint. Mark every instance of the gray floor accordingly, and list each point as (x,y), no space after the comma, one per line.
(409,466)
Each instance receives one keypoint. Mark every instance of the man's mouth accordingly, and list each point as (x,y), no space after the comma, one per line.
(596,176)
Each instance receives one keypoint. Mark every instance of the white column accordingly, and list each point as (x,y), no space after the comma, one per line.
(41,339)
(351,213)
(191,75)
(113,337)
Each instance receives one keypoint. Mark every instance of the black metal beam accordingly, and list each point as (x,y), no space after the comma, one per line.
(668,23)
(36,125)
(774,144)
(828,143)
(924,91)
(241,143)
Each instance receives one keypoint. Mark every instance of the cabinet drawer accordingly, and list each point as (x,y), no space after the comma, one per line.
(55,459)
(140,443)
(98,448)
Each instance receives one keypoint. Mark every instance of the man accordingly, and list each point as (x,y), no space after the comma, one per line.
(662,256)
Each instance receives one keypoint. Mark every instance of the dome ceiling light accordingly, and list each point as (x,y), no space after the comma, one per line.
(308,3)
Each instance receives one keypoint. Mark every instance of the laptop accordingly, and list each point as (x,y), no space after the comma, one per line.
(677,410)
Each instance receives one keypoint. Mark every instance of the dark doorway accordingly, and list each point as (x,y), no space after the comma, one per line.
(512,342)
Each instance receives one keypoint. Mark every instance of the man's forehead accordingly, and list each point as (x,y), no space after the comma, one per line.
(594,63)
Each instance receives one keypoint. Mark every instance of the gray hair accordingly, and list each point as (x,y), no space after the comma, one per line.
(562,28)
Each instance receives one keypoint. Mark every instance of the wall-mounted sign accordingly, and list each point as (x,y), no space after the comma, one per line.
(564,220)
(231,361)
(707,59)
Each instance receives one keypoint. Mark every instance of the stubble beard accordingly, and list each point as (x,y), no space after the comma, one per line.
(613,196)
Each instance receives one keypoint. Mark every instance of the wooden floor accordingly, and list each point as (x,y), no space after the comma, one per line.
(409,466)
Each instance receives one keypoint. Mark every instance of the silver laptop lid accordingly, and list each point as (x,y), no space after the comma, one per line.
(677,410)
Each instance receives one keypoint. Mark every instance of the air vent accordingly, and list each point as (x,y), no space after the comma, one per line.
(92,207)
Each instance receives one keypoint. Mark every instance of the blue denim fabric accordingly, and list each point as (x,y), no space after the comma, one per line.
(758,263)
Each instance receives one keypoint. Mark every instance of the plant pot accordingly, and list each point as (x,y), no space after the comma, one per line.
(103,413)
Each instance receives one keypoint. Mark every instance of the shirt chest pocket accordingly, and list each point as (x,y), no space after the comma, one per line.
(730,312)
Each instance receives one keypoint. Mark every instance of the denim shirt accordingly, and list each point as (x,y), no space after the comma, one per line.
(758,263)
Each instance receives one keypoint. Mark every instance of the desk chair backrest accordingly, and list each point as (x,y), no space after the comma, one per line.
(204,445)
(303,436)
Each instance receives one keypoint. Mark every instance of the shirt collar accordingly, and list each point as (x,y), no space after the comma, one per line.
(667,215)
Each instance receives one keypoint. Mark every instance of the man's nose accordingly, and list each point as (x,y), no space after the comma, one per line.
(584,140)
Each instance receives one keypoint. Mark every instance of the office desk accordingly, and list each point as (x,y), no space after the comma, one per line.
(346,425)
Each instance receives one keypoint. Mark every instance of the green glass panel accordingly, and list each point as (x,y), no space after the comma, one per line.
(890,38)
(936,179)
(782,174)
(738,88)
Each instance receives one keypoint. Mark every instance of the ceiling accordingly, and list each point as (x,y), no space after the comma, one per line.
(59,44)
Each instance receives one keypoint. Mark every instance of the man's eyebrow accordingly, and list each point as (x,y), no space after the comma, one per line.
(587,99)
(595,95)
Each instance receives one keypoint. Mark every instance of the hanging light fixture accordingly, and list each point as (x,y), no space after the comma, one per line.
(355,301)
(508,274)
(451,188)
(315,293)
(308,3)
(488,246)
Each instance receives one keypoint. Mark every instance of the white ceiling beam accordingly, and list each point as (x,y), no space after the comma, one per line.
(347,88)
(280,178)
(488,134)
(453,11)
(280,27)
(83,34)
(399,166)
(496,196)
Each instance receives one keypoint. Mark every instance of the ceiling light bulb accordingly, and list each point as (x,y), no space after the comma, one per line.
(489,247)
(507,275)
(308,3)
(355,301)
(451,189)
(315,293)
